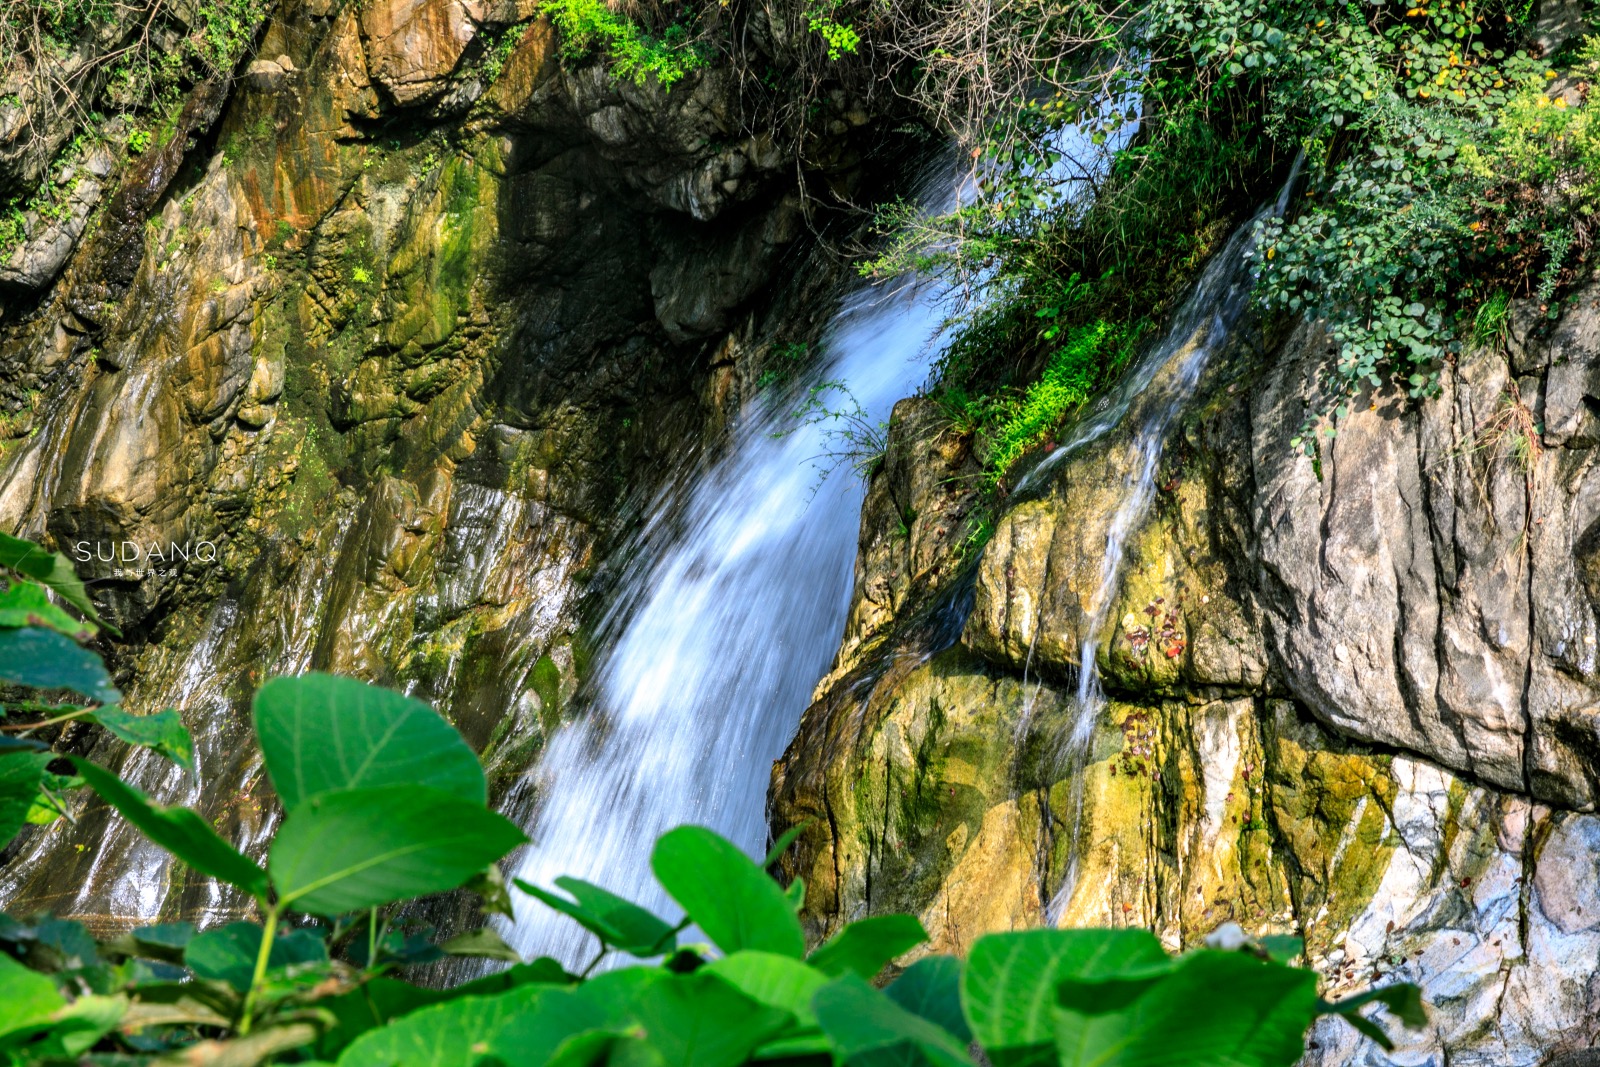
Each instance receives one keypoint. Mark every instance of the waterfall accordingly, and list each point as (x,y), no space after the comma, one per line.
(732,613)
(1155,393)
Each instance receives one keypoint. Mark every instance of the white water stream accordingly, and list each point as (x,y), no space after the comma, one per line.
(1157,390)
(732,615)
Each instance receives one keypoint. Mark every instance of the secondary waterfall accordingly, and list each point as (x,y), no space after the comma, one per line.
(731,617)
(1155,393)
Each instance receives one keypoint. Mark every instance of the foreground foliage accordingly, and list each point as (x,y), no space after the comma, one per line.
(384,803)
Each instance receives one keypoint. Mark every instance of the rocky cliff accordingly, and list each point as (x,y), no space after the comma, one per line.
(1351,695)
(365,360)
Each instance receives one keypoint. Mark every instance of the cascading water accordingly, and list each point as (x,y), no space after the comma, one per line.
(729,624)
(1163,382)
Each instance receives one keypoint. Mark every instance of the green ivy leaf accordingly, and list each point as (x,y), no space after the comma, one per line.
(359,848)
(320,733)
(163,731)
(865,946)
(44,659)
(726,894)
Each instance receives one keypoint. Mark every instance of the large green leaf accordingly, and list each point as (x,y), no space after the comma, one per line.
(1224,1008)
(522,1025)
(699,1020)
(1403,999)
(75,1028)
(371,1005)
(163,731)
(162,941)
(777,981)
(346,851)
(180,831)
(49,569)
(27,999)
(931,988)
(605,1048)
(44,659)
(381,999)
(1009,988)
(866,1027)
(727,895)
(484,943)
(321,733)
(620,923)
(866,945)
(27,604)
(21,771)
(228,953)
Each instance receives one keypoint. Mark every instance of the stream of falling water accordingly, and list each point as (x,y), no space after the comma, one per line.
(729,625)
(1158,390)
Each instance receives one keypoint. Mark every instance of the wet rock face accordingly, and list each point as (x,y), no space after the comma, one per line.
(1352,696)
(1421,583)
(371,379)
(1428,591)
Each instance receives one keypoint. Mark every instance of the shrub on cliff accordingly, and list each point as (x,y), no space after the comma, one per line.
(384,802)
(1447,159)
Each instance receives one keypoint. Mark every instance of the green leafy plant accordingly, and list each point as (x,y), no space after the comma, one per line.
(783,365)
(840,37)
(851,437)
(384,803)
(587,25)
(497,51)
(1087,356)
(147,55)
(1445,160)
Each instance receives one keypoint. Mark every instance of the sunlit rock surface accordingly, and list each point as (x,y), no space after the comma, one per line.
(1352,695)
